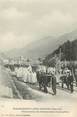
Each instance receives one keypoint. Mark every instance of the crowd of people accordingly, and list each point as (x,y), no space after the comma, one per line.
(67,78)
(43,75)
(27,74)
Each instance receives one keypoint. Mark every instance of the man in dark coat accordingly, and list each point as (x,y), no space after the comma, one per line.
(54,84)
(70,81)
(43,80)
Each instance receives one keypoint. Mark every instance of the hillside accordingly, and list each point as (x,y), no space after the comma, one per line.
(42,47)
(36,49)
(68,51)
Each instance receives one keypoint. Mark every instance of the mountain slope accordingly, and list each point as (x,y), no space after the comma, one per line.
(42,47)
(39,48)
(67,51)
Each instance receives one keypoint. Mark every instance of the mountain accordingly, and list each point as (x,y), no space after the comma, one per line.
(36,49)
(67,36)
(67,48)
(42,47)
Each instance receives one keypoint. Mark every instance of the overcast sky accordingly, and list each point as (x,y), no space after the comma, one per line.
(23,21)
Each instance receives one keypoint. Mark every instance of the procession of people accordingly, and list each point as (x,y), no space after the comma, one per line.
(46,77)
(27,74)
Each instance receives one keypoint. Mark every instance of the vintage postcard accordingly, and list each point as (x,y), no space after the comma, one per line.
(38,58)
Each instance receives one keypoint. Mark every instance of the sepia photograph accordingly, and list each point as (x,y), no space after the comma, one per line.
(38,51)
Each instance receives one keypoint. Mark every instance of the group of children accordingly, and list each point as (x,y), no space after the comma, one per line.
(27,74)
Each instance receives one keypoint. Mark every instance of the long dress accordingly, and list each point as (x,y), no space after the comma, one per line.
(29,68)
(28,77)
(25,73)
(33,78)
(20,72)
